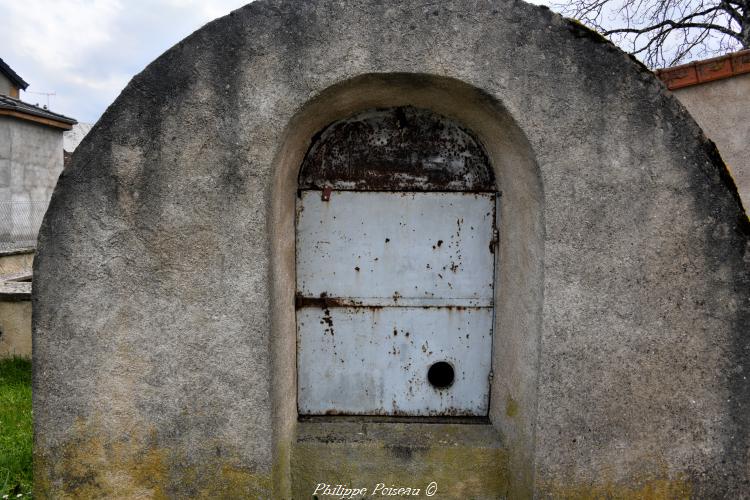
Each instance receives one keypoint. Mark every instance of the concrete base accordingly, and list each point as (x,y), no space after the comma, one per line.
(451,460)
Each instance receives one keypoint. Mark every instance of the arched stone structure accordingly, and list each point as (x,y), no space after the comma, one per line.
(518,282)
(164,351)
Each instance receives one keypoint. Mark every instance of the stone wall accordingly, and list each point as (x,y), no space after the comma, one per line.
(16,261)
(15,302)
(15,327)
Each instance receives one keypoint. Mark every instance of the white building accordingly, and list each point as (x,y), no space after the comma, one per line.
(31,159)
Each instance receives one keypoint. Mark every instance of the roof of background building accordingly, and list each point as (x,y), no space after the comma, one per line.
(706,70)
(12,75)
(19,109)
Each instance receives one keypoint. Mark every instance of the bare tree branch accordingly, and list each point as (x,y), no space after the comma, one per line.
(727,7)
(667,32)
(674,25)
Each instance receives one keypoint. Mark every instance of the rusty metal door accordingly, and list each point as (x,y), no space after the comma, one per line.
(394,302)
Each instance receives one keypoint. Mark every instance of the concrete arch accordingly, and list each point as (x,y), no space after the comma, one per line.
(519,280)
(162,271)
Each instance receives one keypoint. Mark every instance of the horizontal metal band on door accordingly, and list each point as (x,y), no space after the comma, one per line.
(302,301)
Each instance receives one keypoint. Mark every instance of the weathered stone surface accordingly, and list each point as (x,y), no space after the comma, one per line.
(163,289)
(466,461)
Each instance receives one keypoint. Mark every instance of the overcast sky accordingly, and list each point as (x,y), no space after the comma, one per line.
(86,51)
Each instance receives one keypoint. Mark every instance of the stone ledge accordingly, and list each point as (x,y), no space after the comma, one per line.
(13,291)
(16,251)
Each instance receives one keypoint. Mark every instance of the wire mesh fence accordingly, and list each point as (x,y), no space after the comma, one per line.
(19,223)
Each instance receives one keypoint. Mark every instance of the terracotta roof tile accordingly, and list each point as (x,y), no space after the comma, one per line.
(706,70)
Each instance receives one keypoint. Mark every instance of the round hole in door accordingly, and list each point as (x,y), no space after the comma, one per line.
(441,375)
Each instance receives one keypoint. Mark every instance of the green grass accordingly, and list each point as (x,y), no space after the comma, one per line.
(16,433)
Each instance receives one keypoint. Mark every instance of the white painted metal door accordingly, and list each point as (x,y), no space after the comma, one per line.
(394,302)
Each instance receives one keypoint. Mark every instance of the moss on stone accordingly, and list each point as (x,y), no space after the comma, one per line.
(511,407)
(643,489)
(90,466)
(465,461)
